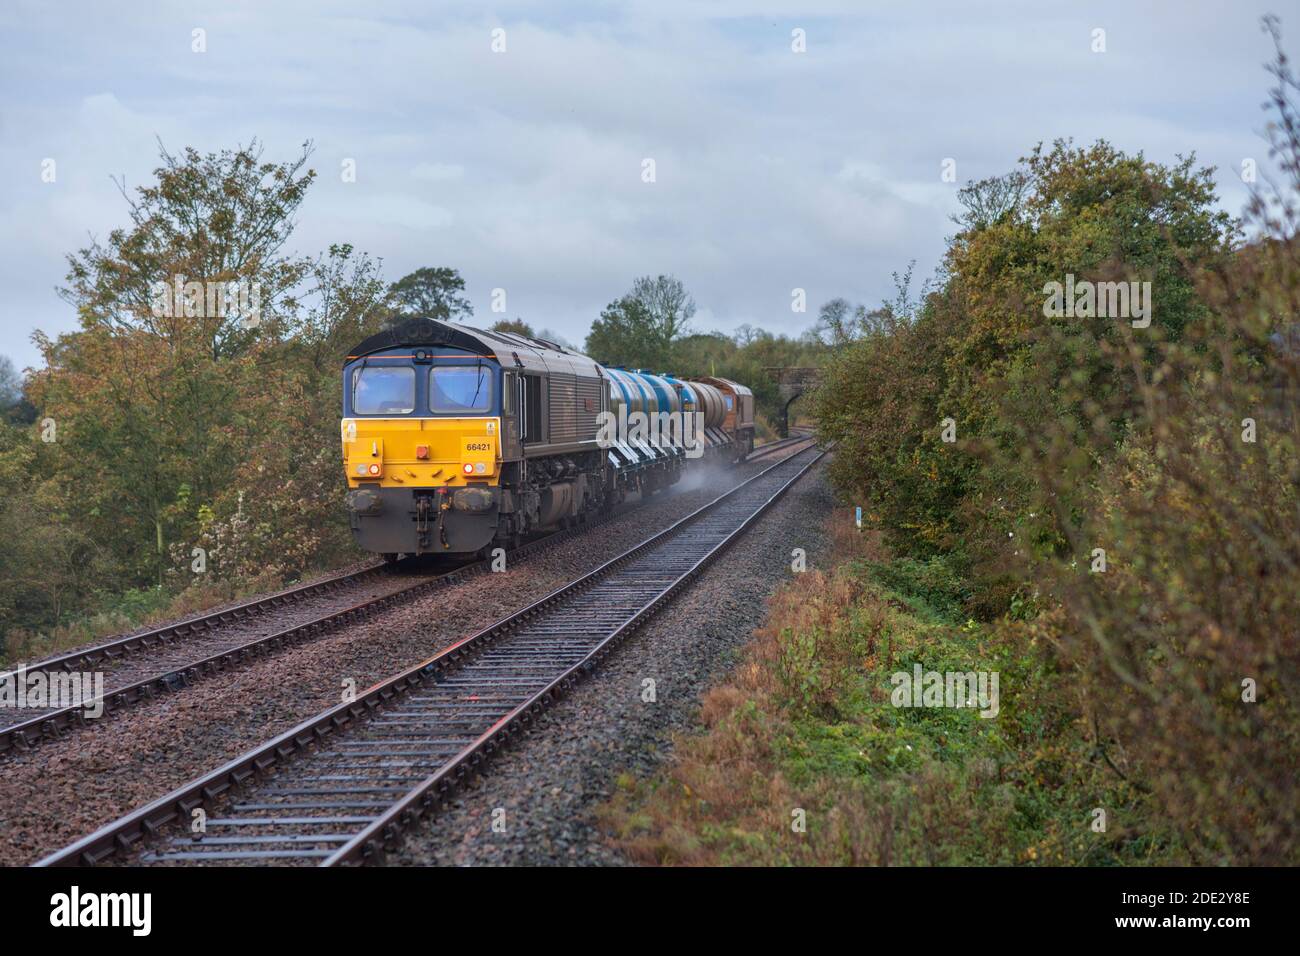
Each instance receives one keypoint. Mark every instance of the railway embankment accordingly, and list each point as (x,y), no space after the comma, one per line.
(867,722)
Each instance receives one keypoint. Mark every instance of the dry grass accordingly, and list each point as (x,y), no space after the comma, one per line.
(148,608)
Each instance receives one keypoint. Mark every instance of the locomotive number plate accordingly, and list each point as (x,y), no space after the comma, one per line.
(473,446)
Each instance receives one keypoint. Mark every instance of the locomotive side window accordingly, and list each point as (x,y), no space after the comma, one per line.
(379,390)
(460,388)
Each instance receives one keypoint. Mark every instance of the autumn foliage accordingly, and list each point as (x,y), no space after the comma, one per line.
(1123,496)
(174,448)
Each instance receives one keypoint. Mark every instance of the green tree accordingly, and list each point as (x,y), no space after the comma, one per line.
(344,301)
(981,352)
(212,220)
(14,406)
(667,304)
(160,431)
(517,326)
(434,292)
(641,328)
(625,335)
(155,407)
(992,200)
(11,384)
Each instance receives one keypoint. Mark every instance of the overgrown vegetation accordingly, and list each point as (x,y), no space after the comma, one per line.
(1111,502)
(182,415)
(805,760)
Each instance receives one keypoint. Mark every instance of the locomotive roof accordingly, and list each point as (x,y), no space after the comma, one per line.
(508,347)
(420,332)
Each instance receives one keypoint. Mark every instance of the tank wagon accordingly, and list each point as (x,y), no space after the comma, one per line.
(457,439)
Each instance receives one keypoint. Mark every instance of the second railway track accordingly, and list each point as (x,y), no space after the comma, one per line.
(763,451)
(147,652)
(339,787)
(142,666)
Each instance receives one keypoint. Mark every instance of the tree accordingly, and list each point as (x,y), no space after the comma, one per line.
(431,292)
(155,408)
(625,334)
(11,390)
(344,303)
(668,305)
(641,328)
(517,326)
(170,430)
(991,200)
(705,353)
(837,322)
(981,350)
(206,223)
(11,383)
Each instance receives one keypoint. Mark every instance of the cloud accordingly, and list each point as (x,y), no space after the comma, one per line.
(775,170)
(438,172)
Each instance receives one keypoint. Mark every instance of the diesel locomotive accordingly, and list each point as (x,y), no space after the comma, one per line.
(457,440)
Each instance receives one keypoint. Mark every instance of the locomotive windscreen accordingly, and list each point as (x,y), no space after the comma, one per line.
(460,388)
(383,390)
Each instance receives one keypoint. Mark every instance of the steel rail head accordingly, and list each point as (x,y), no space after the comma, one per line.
(129,643)
(139,824)
(29,733)
(366,845)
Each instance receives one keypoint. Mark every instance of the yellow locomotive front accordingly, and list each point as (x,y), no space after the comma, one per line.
(421,433)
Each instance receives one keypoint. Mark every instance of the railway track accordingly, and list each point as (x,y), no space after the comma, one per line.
(341,785)
(763,451)
(144,663)
(141,666)
(157,668)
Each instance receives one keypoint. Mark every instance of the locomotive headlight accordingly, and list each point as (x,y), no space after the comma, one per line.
(469,468)
(374,469)
(480,467)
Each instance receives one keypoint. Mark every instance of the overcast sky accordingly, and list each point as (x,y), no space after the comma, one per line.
(774,170)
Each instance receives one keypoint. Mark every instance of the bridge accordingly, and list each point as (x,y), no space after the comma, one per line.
(791,382)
